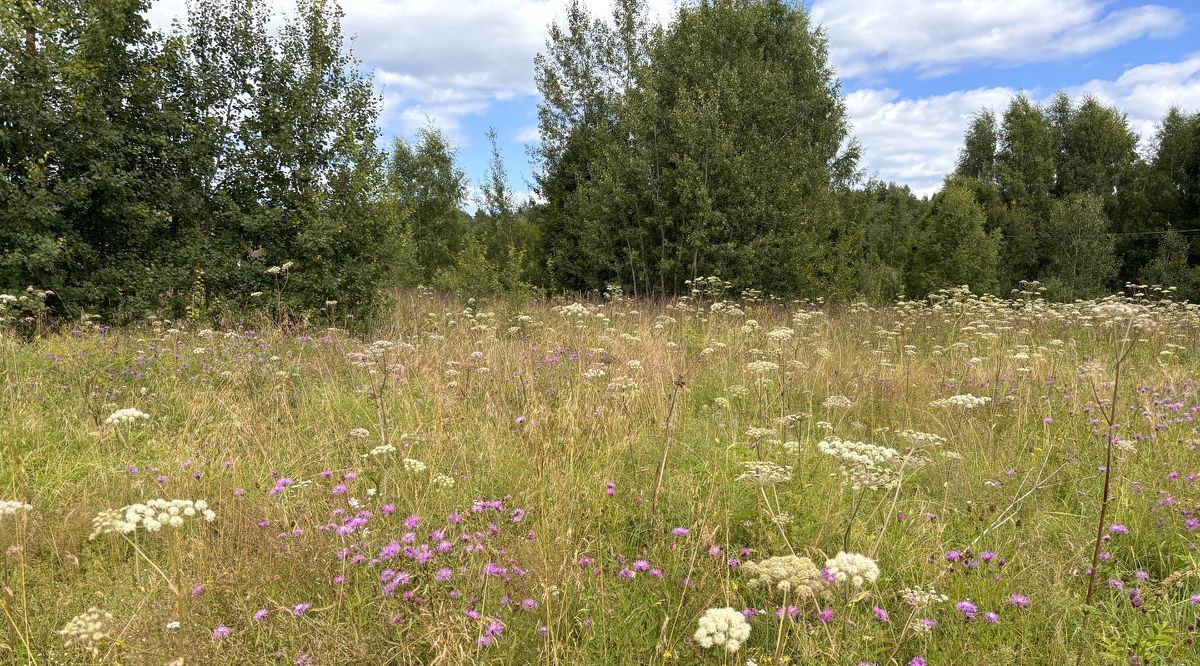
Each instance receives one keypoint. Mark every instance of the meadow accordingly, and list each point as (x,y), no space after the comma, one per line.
(712,480)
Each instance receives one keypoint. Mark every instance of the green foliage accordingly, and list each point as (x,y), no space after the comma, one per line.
(427,189)
(664,159)
(1170,268)
(1081,262)
(953,248)
(136,161)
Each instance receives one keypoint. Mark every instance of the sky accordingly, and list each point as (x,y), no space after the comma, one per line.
(913,72)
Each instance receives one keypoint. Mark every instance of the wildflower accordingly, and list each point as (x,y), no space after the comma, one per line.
(991,617)
(414,466)
(1117,528)
(680,531)
(128,415)
(12,507)
(221,632)
(967,608)
(764,473)
(260,615)
(360,433)
(785,572)
(863,465)
(300,609)
(853,567)
(722,627)
(920,598)
(825,616)
(87,630)
(880,614)
(152,516)
(1019,600)
(964,401)
(837,402)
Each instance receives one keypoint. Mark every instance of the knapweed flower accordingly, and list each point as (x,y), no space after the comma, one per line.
(1018,600)
(722,627)
(879,613)
(967,608)
(260,615)
(785,572)
(991,617)
(126,416)
(221,632)
(856,568)
(152,516)
(300,609)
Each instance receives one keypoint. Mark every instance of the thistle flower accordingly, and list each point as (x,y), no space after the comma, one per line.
(722,627)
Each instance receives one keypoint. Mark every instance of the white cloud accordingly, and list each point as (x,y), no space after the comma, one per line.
(937,36)
(443,60)
(916,141)
(1147,92)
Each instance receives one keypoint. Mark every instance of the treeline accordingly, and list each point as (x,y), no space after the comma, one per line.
(230,165)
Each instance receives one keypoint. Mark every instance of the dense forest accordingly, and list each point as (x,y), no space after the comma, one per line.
(237,162)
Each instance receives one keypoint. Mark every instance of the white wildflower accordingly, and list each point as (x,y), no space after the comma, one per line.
(126,415)
(722,627)
(856,568)
(764,473)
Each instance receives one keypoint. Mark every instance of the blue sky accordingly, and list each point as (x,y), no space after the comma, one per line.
(913,71)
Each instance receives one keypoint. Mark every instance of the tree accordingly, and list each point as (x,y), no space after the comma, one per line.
(1170,267)
(425,183)
(977,158)
(1081,262)
(953,249)
(664,159)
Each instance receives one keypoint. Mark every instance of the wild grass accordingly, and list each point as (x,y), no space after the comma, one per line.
(578,466)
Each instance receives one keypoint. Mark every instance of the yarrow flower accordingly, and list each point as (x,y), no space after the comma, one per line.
(856,568)
(152,516)
(722,627)
(125,416)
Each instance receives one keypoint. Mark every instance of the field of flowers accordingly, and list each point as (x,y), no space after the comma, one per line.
(712,480)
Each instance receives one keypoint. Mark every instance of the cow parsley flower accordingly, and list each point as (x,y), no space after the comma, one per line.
(13,507)
(786,572)
(722,627)
(863,465)
(414,466)
(87,630)
(856,568)
(127,415)
(764,473)
(152,516)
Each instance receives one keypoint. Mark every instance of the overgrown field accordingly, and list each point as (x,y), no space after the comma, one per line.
(581,483)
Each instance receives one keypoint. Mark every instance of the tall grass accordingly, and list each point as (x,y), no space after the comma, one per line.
(558,484)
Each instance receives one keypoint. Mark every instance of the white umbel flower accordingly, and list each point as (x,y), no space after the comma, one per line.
(13,507)
(126,415)
(722,627)
(786,573)
(764,473)
(963,400)
(87,629)
(152,516)
(855,568)
(413,466)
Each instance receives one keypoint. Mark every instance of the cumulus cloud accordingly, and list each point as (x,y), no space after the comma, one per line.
(916,141)
(938,36)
